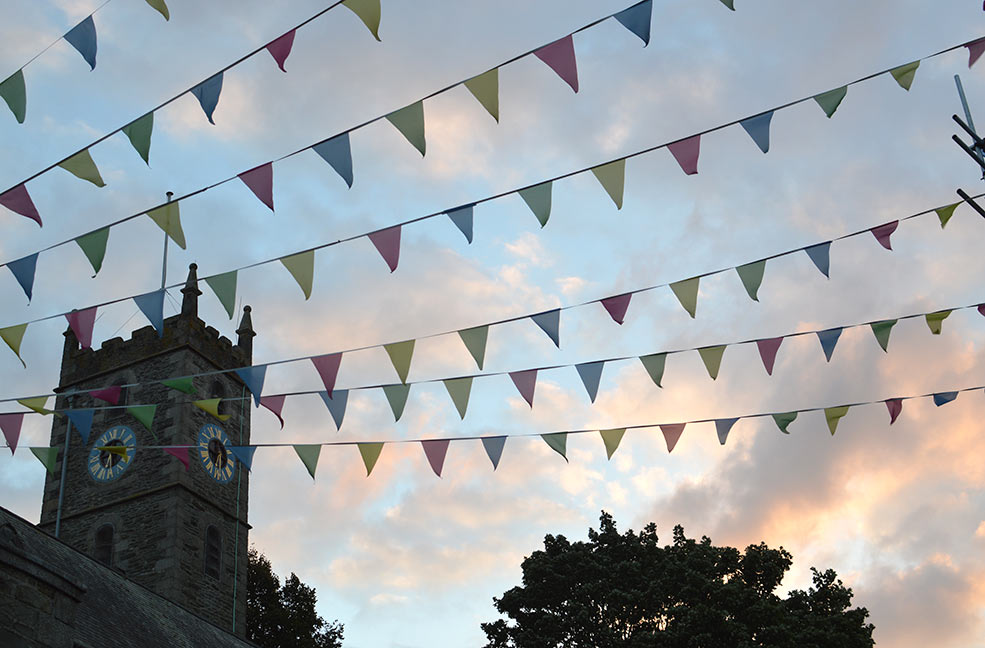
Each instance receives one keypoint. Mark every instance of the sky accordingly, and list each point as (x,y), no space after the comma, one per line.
(406,559)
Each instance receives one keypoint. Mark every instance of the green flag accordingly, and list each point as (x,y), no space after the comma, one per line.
(409,120)
(475,342)
(881,330)
(784,419)
(81,166)
(612,177)
(834,414)
(459,390)
(485,88)
(93,246)
(139,132)
(302,268)
(47,456)
(370,452)
(168,218)
(308,453)
(224,287)
(934,320)
(904,74)
(729,3)
(751,275)
(558,441)
(13,336)
(14,92)
(687,294)
(400,354)
(161,6)
(654,365)
(830,100)
(144,414)
(185,385)
(611,439)
(712,357)
(538,199)
(369,11)
(396,395)
(945,213)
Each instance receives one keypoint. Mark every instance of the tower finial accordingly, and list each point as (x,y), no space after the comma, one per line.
(189,302)
(246,332)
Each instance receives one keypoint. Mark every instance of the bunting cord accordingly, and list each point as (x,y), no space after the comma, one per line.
(666,352)
(50,45)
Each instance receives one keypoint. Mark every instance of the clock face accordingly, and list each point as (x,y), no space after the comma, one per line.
(105,466)
(213,451)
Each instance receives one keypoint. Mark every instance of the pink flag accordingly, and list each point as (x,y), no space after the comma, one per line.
(18,200)
(975,50)
(525,381)
(672,434)
(275,404)
(109,395)
(435,450)
(328,368)
(11,426)
(280,48)
(616,306)
(767,351)
(260,180)
(883,232)
(895,406)
(181,454)
(686,152)
(387,243)
(560,57)
(981,309)
(82,322)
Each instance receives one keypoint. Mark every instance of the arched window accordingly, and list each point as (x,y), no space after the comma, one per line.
(213,552)
(218,390)
(103,551)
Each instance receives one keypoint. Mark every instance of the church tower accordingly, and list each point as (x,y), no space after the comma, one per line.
(181,533)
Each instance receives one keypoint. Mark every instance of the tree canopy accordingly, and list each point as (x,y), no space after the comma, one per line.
(282,616)
(628,591)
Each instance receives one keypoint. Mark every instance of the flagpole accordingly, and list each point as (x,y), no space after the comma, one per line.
(164,263)
(61,486)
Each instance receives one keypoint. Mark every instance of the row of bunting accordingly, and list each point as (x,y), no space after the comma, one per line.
(435,450)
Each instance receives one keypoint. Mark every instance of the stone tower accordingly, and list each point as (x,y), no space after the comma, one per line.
(181,533)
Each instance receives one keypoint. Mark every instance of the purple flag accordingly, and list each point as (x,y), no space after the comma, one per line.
(560,57)
(109,395)
(82,323)
(883,232)
(276,405)
(975,50)
(767,351)
(435,450)
(895,406)
(525,382)
(387,243)
(280,48)
(19,201)
(181,454)
(260,180)
(328,368)
(672,434)
(616,306)
(686,152)
(10,424)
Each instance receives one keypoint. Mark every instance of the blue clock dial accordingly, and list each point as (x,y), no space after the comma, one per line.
(106,465)
(213,451)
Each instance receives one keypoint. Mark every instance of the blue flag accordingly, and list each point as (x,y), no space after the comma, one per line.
(637,19)
(152,306)
(828,341)
(550,323)
(23,270)
(253,377)
(244,454)
(82,420)
(83,38)
(820,254)
(336,151)
(462,217)
(944,398)
(494,448)
(723,427)
(207,93)
(758,128)
(591,374)
(336,404)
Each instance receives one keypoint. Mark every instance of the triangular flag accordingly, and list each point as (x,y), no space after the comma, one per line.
(672,434)
(327,367)
(139,132)
(883,232)
(590,374)
(185,385)
(784,419)
(934,320)
(370,452)
(161,6)
(538,199)
(686,152)
(81,166)
(560,57)
(181,454)
(882,330)
(387,243)
(36,404)
(120,451)
(224,287)
(981,309)
(207,93)
(751,275)
(654,365)
(459,390)
(767,351)
(336,401)
(729,3)
(611,439)
(820,255)
(945,213)
(612,177)
(396,396)
(308,453)
(14,92)
(712,358)
(400,355)
(10,425)
(144,414)
(109,395)
(723,427)
(829,339)
(475,342)
(369,11)
(834,414)
(244,454)
(525,382)
(93,246)
(975,50)
(494,448)
(637,19)
(895,406)
(152,306)
(830,100)
(550,323)
(260,180)
(616,306)
(211,405)
(338,153)
(485,88)
(435,451)
(23,270)
(83,38)
(687,294)
(758,128)
(943,398)
(409,120)
(13,336)
(168,218)
(462,217)
(904,74)
(558,442)
(47,456)
(81,323)
(302,268)
(253,377)
(18,200)
(276,405)
(280,48)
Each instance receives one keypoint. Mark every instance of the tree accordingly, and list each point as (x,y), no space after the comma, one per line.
(627,591)
(283,616)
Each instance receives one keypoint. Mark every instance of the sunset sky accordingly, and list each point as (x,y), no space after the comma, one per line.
(406,559)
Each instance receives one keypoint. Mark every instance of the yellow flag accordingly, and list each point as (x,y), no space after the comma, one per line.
(211,405)
(302,268)
(81,166)
(485,88)
(168,218)
(370,452)
(13,336)
(612,177)
(369,12)
(36,404)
